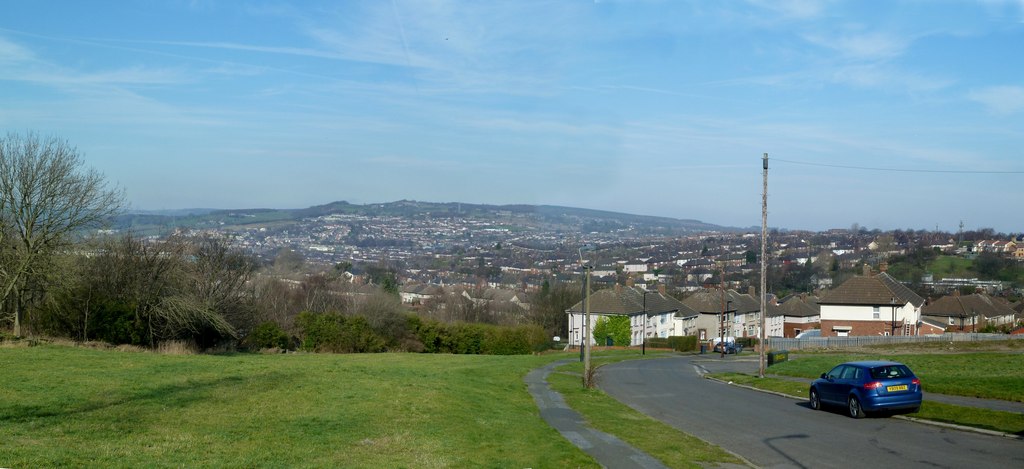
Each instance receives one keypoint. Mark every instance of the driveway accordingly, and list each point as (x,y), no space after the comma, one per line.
(774,431)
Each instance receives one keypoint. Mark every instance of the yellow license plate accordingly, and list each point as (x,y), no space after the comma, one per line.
(902,387)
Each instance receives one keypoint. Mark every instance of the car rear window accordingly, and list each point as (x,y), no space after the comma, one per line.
(890,372)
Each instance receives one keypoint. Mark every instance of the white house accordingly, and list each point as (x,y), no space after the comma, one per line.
(651,313)
(870,305)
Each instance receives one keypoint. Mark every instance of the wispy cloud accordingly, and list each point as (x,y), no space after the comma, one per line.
(1001,100)
(12,52)
(888,77)
(863,45)
(799,9)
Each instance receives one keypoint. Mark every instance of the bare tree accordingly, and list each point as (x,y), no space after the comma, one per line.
(46,196)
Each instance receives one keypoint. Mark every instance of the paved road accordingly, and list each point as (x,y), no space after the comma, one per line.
(778,432)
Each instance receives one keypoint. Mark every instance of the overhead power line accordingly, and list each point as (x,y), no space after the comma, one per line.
(897,170)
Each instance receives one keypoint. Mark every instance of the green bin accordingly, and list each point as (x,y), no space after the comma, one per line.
(777,357)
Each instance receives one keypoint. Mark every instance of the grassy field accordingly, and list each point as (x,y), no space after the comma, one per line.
(62,406)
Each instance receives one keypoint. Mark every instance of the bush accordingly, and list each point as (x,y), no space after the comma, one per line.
(268,335)
(678,343)
(332,332)
(464,338)
(747,342)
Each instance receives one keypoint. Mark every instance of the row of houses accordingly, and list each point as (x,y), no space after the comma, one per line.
(866,305)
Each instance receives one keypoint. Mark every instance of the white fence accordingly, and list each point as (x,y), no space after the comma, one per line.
(776,343)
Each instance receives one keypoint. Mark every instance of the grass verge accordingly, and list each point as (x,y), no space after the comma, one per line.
(1006,422)
(982,374)
(663,442)
(76,407)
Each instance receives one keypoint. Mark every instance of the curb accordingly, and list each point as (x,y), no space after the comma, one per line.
(933,423)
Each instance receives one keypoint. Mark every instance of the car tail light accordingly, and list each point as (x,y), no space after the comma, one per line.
(916,381)
(873,385)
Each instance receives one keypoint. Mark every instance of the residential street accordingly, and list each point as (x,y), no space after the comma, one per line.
(778,432)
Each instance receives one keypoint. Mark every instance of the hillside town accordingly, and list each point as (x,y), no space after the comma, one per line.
(836,283)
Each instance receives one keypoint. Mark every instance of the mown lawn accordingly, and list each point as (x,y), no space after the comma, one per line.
(63,406)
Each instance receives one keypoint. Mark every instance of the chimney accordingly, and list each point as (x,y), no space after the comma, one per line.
(867,270)
(618,288)
(661,288)
(629,281)
(752,291)
(883,266)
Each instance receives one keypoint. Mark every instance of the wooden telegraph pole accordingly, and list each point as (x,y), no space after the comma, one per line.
(764,268)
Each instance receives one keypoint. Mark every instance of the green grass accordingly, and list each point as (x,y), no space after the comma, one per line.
(62,406)
(952,266)
(1006,422)
(663,442)
(984,374)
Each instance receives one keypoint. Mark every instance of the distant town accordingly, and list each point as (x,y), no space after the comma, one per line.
(492,253)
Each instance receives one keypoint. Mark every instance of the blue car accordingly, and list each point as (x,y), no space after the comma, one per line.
(869,386)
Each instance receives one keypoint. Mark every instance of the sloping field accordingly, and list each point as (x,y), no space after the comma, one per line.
(64,406)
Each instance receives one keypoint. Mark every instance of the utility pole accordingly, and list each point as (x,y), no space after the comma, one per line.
(764,270)
(643,337)
(721,323)
(587,325)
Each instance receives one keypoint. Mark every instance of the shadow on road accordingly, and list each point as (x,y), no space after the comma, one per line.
(770,442)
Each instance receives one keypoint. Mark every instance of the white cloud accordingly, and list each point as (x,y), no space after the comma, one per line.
(878,76)
(1000,99)
(11,52)
(863,46)
(801,9)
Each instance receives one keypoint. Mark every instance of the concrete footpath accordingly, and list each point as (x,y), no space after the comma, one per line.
(608,450)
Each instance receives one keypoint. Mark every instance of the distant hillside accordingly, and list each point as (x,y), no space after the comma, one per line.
(587,220)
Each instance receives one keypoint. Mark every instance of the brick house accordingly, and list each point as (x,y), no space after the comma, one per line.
(969,313)
(870,305)
(795,314)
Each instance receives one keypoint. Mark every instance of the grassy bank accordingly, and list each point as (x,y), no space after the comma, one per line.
(63,406)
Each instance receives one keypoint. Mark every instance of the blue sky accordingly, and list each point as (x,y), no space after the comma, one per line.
(889,114)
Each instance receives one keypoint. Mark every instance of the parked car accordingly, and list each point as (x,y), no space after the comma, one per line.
(809,334)
(730,347)
(868,386)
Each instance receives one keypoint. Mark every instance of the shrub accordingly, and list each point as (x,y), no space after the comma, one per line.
(268,335)
(332,332)
(747,342)
(519,340)
(678,343)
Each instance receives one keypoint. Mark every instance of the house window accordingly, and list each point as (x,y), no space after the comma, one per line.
(876,314)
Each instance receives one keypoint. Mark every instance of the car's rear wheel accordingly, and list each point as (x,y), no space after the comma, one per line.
(856,411)
(815,399)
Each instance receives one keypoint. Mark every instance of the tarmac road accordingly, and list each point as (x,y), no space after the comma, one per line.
(777,432)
